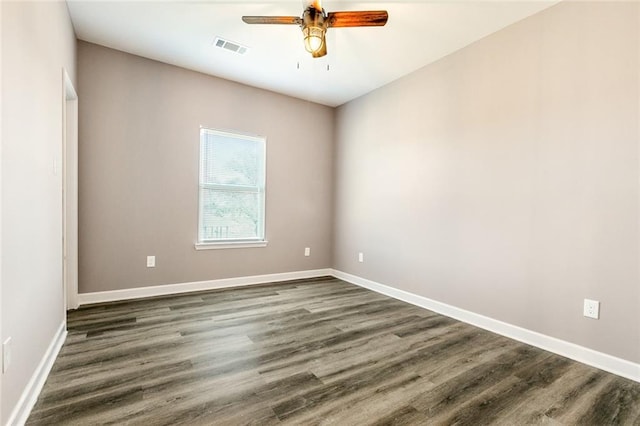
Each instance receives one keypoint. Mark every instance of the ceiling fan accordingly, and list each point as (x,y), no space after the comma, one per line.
(315,21)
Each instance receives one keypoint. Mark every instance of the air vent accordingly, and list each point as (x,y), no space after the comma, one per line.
(230,45)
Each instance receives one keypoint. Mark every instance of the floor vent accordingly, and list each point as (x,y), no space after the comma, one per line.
(230,45)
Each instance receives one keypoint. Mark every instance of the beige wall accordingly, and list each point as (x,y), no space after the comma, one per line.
(37,42)
(138,176)
(503,179)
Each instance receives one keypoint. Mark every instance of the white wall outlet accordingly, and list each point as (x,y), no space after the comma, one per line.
(151,261)
(307,251)
(6,354)
(360,257)
(591,309)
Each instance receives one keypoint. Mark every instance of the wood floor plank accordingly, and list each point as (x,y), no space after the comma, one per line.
(317,351)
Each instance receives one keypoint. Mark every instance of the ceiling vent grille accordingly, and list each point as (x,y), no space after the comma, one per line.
(230,46)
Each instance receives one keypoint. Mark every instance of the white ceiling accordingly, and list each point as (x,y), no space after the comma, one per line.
(359,59)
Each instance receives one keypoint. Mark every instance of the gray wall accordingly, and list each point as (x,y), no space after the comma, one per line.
(503,179)
(37,42)
(138,175)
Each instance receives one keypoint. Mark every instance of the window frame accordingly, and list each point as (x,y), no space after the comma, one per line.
(260,189)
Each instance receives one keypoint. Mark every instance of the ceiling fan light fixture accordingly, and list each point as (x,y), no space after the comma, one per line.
(313,29)
(313,38)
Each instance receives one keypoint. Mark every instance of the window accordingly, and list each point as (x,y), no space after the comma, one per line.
(232,177)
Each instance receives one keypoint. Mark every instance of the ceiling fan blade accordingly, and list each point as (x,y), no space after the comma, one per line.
(365,18)
(277,20)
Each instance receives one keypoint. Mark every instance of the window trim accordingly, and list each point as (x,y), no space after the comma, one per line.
(259,189)
(231,244)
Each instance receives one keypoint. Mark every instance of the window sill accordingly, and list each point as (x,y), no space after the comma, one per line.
(230,245)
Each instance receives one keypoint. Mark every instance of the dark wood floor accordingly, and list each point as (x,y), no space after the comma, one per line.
(309,352)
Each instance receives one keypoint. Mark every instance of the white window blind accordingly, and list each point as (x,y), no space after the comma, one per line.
(232,187)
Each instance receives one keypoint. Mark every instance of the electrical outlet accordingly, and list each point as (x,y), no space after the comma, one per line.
(6,354)
(591,309)
(307,251)
(151,261)
(360,257)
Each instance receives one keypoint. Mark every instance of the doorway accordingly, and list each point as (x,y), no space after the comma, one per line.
(70,194)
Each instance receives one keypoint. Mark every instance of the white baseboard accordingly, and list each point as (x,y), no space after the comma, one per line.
(600,360)
(578,353)
(28,399)
(162,290)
